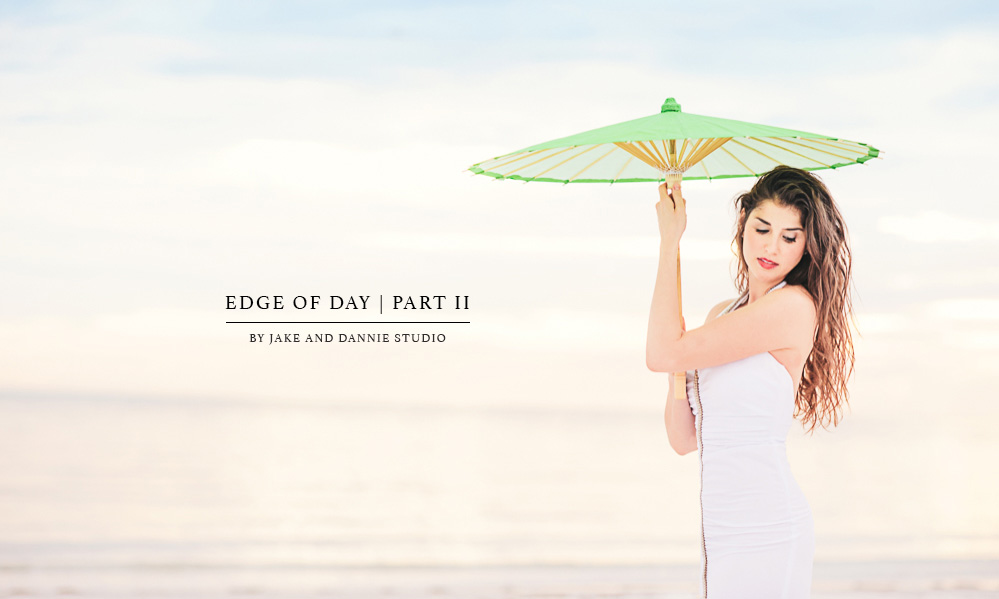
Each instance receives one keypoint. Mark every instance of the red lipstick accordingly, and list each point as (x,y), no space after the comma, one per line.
(767,264)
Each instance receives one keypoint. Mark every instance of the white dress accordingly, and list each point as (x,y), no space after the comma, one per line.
(756,527)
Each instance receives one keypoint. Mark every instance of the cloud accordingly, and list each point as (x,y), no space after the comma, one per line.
(965,309)
(162,322)
(931,226)
(563,330)
(981,340)
(873,323)
(621,247)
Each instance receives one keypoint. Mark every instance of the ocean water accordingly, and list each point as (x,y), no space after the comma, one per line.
(167,497)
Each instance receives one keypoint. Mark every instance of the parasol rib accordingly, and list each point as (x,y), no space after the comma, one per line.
(829,142)
(827,151)
(705,167)
(700,141)
(683,151)
(626,163)
(707,148)
(771,158)
(627,147)
(662,159)
(663,153)
(519,157)
(608,153)
(523,166)
(660,155)
(536,175)
(790,151)
(751,171)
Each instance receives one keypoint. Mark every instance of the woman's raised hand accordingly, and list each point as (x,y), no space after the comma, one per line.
(672,212)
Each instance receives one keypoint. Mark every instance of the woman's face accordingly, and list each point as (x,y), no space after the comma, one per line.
(772,242)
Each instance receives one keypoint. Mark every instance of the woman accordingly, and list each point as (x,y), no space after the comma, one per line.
(781,350)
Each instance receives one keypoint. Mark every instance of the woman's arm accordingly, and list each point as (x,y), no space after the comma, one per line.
(679,417)
(781,319)
(679,424)
(665,326)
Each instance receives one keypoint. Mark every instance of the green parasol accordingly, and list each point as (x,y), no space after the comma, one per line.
(672,146)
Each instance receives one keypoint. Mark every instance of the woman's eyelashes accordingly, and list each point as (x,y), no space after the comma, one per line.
(786,238)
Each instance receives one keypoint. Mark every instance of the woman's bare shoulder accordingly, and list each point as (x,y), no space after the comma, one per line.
(796,297)
(713,314)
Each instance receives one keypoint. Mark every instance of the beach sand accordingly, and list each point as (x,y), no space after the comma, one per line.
(867,580)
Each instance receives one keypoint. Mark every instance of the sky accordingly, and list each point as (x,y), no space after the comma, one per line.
(161,156)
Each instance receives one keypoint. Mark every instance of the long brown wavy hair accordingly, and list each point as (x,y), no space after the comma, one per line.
(824,271)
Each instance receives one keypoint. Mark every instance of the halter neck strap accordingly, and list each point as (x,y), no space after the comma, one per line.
(777,286)
(744,297)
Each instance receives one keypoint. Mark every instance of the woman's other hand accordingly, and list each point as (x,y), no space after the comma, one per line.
(672,213)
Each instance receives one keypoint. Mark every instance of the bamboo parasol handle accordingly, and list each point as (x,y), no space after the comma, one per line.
(679,378)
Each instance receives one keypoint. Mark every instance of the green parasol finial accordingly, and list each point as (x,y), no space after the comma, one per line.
(670,105)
